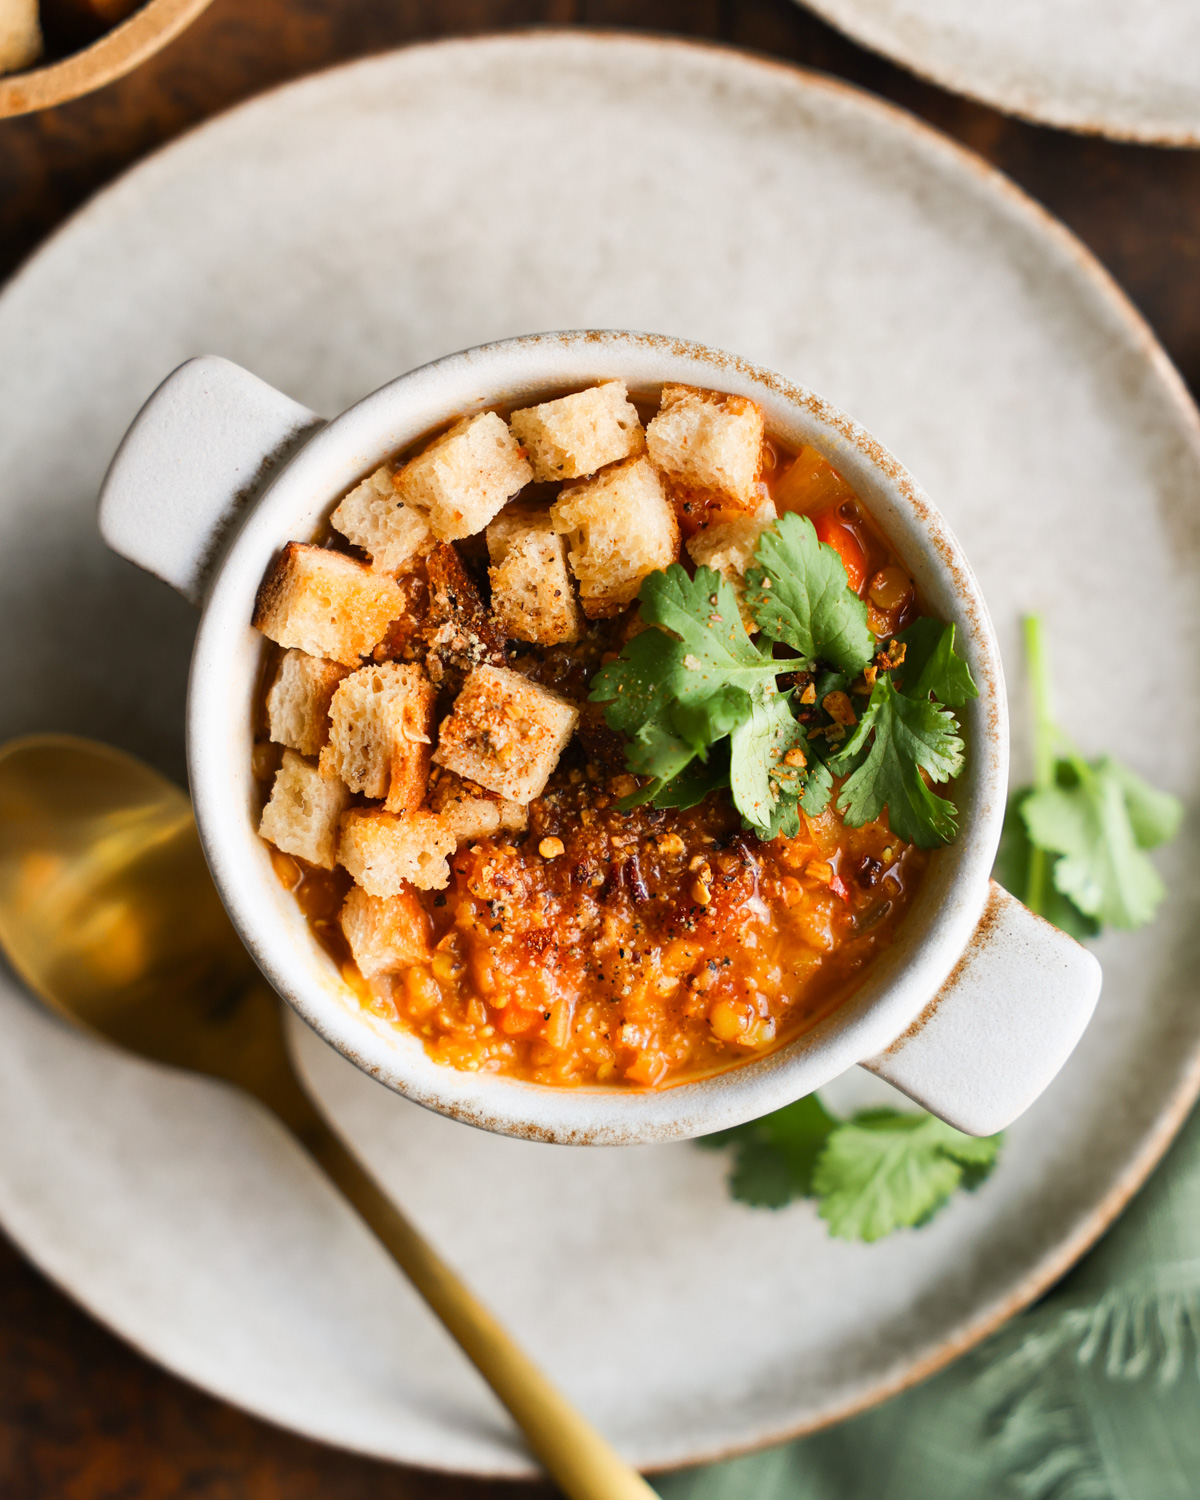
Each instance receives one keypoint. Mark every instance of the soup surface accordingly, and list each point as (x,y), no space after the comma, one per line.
(580,943)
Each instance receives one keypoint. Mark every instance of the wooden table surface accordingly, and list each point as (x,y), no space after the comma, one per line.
(82,1417)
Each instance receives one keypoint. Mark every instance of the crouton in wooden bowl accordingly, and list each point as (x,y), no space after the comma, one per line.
(98,41)
(598,739)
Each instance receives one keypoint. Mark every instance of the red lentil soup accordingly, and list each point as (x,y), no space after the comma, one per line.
(648,947)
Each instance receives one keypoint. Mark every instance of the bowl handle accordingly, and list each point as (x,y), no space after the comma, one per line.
(1001,1026)
(195,459)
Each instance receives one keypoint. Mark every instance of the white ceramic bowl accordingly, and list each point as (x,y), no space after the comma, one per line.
(972,1009)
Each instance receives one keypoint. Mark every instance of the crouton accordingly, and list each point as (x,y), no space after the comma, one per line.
(576,435)
(514,816)
(465,476)
(373,517)
(459,633)
(302,815)
(506,733)
(298,702)
(470,812)
(703,440)
(326,603)
(385,933)
(728,548)
(533,597)
(383,850)
(20,35)
(380,734)
(620,526)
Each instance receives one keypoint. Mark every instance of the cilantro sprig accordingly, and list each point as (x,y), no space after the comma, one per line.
(1075,843)
(800,595)
(702,707)
(877,1172)
(1074,850)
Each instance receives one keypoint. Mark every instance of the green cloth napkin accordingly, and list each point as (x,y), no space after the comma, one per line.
(1094,1394)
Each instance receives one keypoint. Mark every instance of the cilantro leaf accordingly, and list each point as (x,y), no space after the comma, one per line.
(911,735)
(656,751)
(774,1156)
(1013,869)
(880,1171)
(883,1171)
(765,789)
(1086,819)
(707,656)
(1073,844)
(932,666)
(800,595)
(698,680)
(1154,816)
(818,788)
(694,783)
(702,724)
(713,651)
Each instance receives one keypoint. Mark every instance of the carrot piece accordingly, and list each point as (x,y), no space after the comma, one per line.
(836,534)
(515,1020)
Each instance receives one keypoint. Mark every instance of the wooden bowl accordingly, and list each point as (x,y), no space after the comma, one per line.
(117,52)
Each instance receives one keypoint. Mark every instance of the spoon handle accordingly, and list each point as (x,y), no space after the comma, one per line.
(583,1464)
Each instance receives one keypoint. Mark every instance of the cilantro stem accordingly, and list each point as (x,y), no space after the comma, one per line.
(1044,737)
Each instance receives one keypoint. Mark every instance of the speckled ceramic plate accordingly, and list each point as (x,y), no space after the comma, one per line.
(350,227)
(1108,67)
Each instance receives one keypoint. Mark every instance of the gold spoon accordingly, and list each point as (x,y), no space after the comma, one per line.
(108,913)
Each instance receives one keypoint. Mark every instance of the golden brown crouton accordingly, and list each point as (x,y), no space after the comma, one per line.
(728,548)
(470,812)
(533,597)
(706,441)
(459,632)
(506,733)
(620,527)
(302,816)
(383,850)
(578,434)
(465,476)
(325,603)
(373,517)
(380,735)
(20,35)
(385,933)
(298,702)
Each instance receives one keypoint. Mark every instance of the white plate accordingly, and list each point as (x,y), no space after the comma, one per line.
(347,228)
(1109,67)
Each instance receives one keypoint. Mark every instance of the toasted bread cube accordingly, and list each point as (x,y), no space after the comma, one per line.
(302,815)
(576,435)
(506,733)
(465,476)
(472,818)
(728,548)
(385,933)
(472,813)
(20,35)
(514,816)
(706,441)
(380,734)
(459,633)
(383,850)
(298,702)
(533,597)
(326,604)
(620,526)
(373,517)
